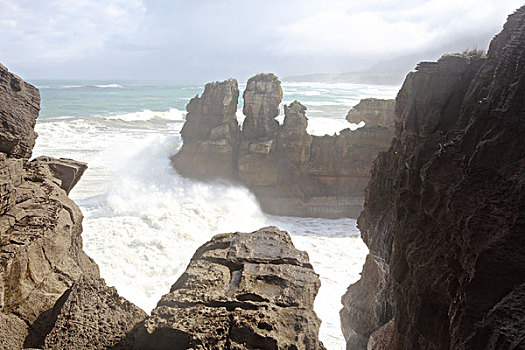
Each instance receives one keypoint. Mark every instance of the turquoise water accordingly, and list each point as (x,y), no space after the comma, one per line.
(82,98)
(142,221)
(97,97)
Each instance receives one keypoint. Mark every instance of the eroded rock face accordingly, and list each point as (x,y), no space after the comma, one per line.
(40,227)
(444,213)
(211,133)
(290,171)
(64,172)
(240,291)
(19,107)
(91,315)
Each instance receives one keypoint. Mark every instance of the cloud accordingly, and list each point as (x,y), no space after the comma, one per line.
(208,39)
(388,28)
(61,30)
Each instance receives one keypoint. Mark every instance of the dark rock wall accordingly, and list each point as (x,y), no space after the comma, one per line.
(444,214)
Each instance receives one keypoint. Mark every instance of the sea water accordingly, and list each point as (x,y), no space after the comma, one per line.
(143,222)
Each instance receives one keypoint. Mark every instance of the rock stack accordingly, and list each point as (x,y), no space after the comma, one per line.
(290,171)
(211,133)
(444,215)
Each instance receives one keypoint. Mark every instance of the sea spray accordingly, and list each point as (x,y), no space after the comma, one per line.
(143,222)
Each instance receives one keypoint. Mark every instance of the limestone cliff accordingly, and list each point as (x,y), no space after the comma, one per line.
(240,291)
(290,171)
(444,214)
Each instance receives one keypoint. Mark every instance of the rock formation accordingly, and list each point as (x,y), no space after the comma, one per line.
(40,243)
(290,171)
(262,97)
(240,291)
(91,315)
(41,254)
(444,215)
(211,133)
(19,107)
(373,111)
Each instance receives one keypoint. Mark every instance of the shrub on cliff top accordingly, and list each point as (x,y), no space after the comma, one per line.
(468,53)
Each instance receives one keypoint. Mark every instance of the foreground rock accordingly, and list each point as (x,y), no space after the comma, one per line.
(240,291)
(290,171)
(41,254)
(91,315)
(444,215)
(40,227)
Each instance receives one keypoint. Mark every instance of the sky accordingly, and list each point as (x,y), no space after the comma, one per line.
(216,39)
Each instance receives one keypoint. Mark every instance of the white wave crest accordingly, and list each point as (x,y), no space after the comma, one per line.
(110,86)
(173,114)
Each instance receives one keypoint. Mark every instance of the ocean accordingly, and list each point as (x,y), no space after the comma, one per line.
(143,222)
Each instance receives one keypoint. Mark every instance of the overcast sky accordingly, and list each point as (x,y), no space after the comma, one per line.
(215,39)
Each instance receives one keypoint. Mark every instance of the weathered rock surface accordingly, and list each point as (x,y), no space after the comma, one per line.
(91,315)
(40,227)
(19,107)
(373,111)
(63,172)
(211,133)
(262,97)
(240,291)
(444,214)
(290,171)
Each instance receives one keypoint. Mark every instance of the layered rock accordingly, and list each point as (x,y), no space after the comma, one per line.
(41,253)
(19,107)
(444,211)
(240,291)
(64,172)
(211,133)
(262,97)
(290,171)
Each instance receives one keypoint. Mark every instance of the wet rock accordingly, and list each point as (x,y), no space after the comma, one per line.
(443,215)
(240,291)
(91,315)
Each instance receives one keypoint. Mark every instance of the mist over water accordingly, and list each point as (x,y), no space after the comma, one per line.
(143,221)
